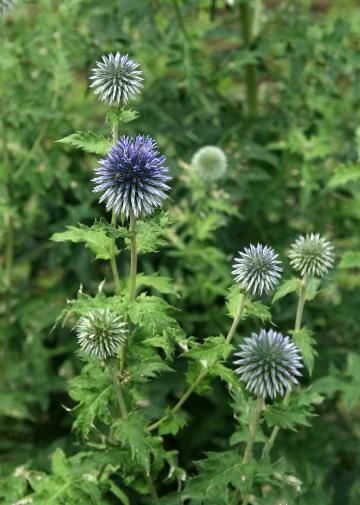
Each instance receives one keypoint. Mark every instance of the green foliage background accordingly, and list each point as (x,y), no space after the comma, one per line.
(293,142)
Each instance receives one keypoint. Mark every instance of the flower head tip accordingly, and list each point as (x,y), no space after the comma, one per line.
(132,177)
(268,363)
(257,269)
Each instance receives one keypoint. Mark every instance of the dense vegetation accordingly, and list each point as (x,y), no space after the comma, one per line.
(276,85)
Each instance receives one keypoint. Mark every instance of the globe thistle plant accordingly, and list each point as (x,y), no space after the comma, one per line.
(268,363)
(312,255)
(132,177)
(209,163)
(101,333)
(116,79)
(257,269)
(6,5)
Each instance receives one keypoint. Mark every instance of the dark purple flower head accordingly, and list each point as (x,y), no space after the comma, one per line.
(132,177)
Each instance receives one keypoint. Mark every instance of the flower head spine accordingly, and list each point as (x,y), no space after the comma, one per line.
(116,79)
(268,363)
(209,163)
(132,177)
(6,5)
(311,255)
(257,269)
(101,333)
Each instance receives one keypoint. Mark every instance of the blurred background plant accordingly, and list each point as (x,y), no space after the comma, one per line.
(276,86)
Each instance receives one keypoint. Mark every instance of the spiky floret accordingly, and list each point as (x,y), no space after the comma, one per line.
(268,363)
(132,177)
(6,5)
(209,163)
(117,79)
(101,333)
(257,269)
(312,255)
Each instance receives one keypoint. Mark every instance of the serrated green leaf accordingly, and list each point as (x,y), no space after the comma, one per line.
(96,241)
(344,176)
(226,374)
(150,233)
(119,493)
(306,345)
(288,286)
(131,432)
(286,417)
(115,116)
(110,230)
(59,464)
(162,284)
(172,424)
(350,259)
(213,348)
(258,310)
(89,142)
(312,288)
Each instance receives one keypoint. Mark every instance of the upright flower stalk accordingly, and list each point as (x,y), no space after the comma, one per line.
(268,364)
(256,270)
(312,256)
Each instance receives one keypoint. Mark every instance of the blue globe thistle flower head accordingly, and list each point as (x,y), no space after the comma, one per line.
(6,5)
(312,255)
(257,269)
(101,333)
(269,363)
(132,177)
(117,79)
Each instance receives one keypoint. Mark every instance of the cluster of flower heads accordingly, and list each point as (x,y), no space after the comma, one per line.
(132,177)
(116,79)
(257,269)
(268,363)
(209,163)
(311,255)
(101,333)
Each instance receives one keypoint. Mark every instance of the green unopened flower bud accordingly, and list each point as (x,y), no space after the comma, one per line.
(101,333)
(209,163)
(311,255)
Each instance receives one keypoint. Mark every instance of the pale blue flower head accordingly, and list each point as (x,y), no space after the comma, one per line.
(132,177)
(116,79)
(101,333)
(268,363)
(257,269)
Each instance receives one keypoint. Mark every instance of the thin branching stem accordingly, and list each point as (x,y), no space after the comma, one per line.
(206,371)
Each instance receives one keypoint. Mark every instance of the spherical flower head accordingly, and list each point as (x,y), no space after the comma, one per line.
(132,177)
(101,333)
(268,363)
(257,269)
(209,163)
(311,255)
(117,79)
(6,5)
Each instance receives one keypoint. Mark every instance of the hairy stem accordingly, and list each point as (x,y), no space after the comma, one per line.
(206,371)
(247,23)
(249,446)
(298,319)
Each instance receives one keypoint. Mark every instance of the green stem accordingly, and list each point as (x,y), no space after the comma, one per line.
(133,259)
(118,391)
(206,371)
(249,446)
(298,319)
(247,23)
(113,264)
(150,485)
